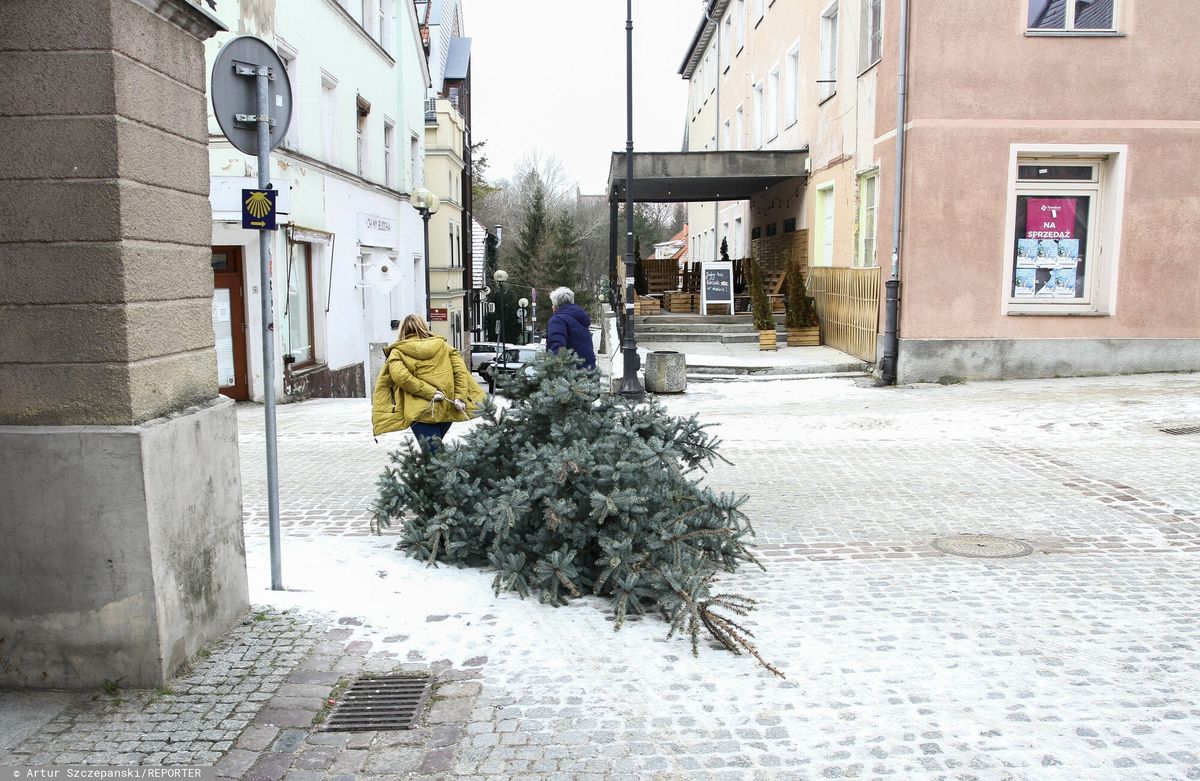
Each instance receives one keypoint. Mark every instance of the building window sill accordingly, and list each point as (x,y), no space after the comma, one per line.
(1074,34)
(827,98)
(869,68)
(1049,312)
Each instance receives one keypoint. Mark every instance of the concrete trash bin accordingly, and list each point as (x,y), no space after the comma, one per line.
(666,371)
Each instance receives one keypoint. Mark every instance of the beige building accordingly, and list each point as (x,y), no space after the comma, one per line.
(1044,230)
(444,137)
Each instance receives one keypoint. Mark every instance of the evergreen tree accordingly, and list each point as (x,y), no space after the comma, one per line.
(565,261)
(573,491)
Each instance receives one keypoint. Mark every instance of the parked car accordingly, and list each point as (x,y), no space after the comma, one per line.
(483,353)
(514,360)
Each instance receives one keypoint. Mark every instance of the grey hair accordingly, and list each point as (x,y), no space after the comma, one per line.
(562,295)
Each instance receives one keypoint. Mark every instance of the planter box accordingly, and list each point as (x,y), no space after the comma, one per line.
(804,337)
(767,341)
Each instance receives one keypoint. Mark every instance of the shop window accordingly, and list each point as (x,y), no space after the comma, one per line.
(772,229)
(1072,15)
(789,225)
(755,233)
(1064,240)
(297,313)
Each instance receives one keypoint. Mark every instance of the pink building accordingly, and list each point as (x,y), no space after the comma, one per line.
(1051,213)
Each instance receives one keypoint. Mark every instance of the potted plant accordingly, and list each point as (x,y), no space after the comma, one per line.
(803,324)
(760,306)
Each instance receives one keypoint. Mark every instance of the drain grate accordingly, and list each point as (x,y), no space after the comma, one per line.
(982,546)
(380,703)
(1181,430)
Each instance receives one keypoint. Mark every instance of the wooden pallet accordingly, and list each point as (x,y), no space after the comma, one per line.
(682,303)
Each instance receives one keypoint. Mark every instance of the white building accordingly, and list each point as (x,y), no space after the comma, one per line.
(348,258)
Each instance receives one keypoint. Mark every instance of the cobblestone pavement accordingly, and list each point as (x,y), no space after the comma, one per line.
(1077,662)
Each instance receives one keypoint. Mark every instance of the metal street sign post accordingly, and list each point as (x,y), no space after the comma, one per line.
(252,101)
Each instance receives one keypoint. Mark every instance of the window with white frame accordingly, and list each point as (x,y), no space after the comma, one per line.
(757,119)
(868,208)
(726,131)
(739,22)
(1073,15)
(414,158)
(361,136)
(727,40)
(829,51)
(382,23)
(738,238)
(739,128)
(389,157)
(329,123)
(291,65)
(773,104)
(791,87)
(870,48)
(760,8)
(1058,224)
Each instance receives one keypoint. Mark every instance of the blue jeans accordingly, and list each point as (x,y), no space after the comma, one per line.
(428,433)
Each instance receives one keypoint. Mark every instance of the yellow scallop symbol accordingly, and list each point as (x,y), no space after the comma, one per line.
(258,204)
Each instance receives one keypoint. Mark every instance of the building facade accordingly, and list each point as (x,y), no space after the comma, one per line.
(1033,238)
(448,170)
(348,259)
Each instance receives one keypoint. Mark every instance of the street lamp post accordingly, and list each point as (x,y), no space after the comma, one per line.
(631,387)
(523,309)
(501,276)
(427,204)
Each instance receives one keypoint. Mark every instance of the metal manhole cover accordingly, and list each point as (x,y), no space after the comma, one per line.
(380,703)
(982,546)
(1181,430)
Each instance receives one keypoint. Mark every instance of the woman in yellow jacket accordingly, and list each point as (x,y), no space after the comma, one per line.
(424,385)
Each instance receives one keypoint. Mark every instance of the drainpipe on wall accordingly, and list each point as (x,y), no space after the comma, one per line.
(891,338)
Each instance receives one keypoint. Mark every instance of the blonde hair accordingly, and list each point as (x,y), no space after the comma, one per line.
(414,327)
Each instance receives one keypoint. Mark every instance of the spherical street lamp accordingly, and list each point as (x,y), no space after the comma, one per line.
(427,203)
(524,308)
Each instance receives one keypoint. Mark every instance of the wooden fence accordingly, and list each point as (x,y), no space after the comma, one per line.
(848,303)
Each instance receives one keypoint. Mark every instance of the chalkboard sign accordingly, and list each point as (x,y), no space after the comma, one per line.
(718,285)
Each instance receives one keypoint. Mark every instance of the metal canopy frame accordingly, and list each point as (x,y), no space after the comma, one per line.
(693,177)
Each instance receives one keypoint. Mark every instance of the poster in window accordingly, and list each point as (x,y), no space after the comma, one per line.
(1025,281)
(1051,236)
(1047,253)
(1064,281)
(1050,218)
(1026,253)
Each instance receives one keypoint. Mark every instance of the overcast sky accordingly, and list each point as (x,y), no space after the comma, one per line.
(549,75)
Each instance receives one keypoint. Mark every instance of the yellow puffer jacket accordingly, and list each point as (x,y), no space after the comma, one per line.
(414,370)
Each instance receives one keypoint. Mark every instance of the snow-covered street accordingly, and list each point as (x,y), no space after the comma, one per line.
(1078,661)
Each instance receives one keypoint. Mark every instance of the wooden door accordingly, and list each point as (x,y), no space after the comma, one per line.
(229,323)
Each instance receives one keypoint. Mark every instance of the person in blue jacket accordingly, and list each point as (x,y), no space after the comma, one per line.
(568,327)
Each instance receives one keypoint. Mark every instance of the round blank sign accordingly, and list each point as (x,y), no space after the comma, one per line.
(235,92)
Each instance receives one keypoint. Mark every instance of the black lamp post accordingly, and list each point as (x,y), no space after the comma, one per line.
(427,204)
(501,276)
(631,386)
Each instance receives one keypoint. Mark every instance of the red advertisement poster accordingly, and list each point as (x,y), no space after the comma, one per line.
(1050,218)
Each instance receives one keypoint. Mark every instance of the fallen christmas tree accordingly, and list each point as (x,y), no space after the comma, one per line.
(572,491)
